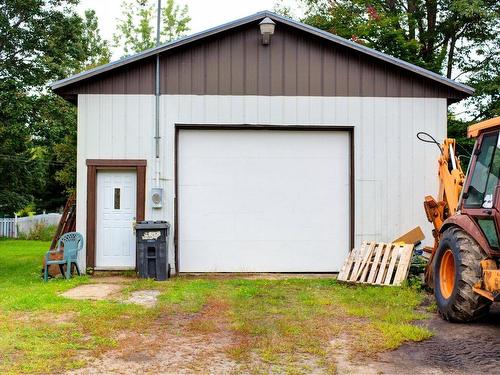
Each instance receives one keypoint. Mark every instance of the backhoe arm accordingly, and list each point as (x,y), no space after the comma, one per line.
(451,180)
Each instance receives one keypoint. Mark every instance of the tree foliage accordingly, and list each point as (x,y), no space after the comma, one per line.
(483,69)
(40,41)
(137,27)
(435,34)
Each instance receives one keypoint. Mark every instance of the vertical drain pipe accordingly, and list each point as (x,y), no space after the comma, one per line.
(157,98)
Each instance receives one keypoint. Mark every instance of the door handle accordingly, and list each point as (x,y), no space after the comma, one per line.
(487,212)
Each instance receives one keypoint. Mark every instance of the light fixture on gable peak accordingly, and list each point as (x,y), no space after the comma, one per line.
(266,29)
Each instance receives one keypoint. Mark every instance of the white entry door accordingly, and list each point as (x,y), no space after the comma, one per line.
(116,206)
(263,200)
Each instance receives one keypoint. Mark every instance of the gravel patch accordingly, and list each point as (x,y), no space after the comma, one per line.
(145,298)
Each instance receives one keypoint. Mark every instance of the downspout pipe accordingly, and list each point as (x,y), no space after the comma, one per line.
(157,99)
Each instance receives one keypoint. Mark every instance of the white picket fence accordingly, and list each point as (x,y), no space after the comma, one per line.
(12,227)
(8,228)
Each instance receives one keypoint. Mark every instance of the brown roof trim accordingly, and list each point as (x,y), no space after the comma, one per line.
(275,17)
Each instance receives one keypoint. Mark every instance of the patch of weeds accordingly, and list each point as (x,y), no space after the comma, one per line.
(415,282)
(282,318)
(202,326)
(395,334)
(142,284)
(41,231)
(211,318)
(129,273)
(432,307)
(278,325)
(240,350)
(186,295)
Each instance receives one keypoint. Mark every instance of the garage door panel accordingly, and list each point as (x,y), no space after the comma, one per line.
(258,225)
(198,227)
(268,201)
(266,226)
(209,199)
(256,256)
(248,227)
(211,171)
(262,140)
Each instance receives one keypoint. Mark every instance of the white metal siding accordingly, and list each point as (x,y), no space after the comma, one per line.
(393,170)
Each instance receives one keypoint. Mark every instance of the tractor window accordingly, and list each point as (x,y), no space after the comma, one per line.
(490,232)
(493,177)
(485,175)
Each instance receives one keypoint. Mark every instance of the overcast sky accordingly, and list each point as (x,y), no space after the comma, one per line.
(204,13)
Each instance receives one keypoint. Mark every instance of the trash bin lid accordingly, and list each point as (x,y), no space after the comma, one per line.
(160,224)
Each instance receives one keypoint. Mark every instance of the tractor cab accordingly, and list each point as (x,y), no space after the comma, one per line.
(480,199)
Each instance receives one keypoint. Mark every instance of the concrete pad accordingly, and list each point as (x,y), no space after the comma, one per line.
(145,298)
(114,279)
(93,291)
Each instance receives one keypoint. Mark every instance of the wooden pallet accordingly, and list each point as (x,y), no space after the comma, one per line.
(377,263)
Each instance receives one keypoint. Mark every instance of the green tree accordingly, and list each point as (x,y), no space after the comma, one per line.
(96,49)
(438,35)
(40,41)
(136,30)
(483,70)
(58,150)
(18,168)
(60,116)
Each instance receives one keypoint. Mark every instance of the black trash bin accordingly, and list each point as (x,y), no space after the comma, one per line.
(152,249)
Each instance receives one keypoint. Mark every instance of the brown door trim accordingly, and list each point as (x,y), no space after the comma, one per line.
(92,166)
(352,180)
(108,163)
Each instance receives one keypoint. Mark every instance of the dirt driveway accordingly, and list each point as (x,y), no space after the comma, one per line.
(454,349)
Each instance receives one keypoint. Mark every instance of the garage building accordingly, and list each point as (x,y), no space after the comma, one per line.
(272,154)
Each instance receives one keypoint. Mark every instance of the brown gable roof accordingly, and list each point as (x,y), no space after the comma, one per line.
(230,60)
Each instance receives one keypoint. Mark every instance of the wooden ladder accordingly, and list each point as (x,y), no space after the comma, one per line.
(67,222)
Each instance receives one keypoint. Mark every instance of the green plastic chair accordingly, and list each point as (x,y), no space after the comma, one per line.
(72,243)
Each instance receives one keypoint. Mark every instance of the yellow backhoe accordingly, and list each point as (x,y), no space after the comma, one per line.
(463,268)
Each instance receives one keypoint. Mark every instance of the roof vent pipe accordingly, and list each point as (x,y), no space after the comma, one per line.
(157,97)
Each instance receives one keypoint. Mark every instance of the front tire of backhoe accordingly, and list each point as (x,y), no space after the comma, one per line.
(456,269)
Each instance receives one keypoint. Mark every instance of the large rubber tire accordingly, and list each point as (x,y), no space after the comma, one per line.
(459,303)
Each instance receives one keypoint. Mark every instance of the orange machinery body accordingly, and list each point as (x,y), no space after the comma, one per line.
(446,210)
(451,181)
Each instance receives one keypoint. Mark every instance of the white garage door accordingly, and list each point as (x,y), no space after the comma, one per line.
(263,200)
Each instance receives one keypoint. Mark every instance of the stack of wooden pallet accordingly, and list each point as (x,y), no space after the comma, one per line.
(377,263)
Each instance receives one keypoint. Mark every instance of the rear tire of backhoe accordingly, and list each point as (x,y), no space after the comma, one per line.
(456,269)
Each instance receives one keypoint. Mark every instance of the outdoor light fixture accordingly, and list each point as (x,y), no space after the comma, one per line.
(266,29)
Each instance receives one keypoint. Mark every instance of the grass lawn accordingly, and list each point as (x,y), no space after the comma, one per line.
(277,323)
